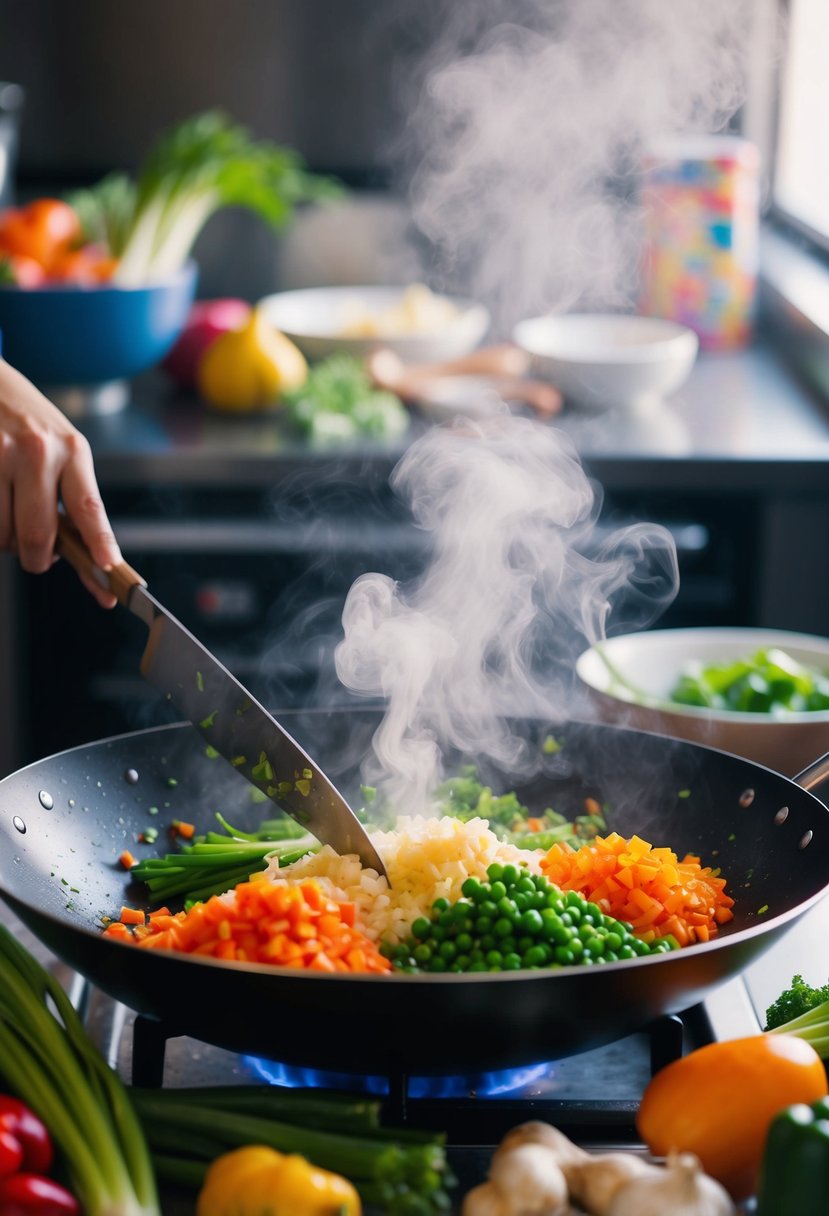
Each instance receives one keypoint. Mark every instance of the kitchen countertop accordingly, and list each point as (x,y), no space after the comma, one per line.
(743,415)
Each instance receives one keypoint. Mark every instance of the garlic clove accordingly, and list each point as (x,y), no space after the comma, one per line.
(594,1181)
(530,1179)
(536,1132)
(484,1200)
(680,1188)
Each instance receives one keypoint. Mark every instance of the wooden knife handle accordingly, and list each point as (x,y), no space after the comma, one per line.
(120,580)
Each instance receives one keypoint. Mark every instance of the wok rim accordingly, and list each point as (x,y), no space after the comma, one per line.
(451,978)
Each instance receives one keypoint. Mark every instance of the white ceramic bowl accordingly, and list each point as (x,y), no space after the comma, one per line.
(315,317)
(605,361)
(652,661)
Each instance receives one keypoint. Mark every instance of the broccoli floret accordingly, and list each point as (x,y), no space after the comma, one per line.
(797,999)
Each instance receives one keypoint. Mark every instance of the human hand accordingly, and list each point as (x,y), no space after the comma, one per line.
(42,456)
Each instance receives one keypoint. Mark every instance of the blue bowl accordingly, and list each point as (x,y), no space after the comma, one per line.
(67,335)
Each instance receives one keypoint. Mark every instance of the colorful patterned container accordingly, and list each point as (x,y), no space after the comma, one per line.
(701,210)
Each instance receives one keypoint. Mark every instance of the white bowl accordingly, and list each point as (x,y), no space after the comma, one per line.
(315,317)
(653,659)
(609,360)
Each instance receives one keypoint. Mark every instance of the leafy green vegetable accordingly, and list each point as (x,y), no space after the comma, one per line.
(769,681)
(47,1060)
(465,797)
(338,402)
(204,164)
(799,998)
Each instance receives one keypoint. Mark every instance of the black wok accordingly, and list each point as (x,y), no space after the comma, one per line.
(81,808)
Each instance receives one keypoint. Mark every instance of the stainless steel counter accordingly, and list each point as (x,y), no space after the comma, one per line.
(742,415)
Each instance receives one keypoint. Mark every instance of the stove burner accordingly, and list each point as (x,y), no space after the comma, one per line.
(481,1085)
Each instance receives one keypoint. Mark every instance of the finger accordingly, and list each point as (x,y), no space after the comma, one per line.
(6,507)
(105,598)
(35,501)
(84,506)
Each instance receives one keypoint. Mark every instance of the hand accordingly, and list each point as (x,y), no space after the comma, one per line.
(42,456)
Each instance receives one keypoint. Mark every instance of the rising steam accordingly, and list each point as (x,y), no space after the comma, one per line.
(517,582)
(526,134)
(527,129)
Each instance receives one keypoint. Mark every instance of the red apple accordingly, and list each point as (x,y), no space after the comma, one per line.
(208,319)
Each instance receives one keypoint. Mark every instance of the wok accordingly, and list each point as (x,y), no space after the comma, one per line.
(64,821)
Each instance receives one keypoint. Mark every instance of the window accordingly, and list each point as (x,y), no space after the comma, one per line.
(801,173)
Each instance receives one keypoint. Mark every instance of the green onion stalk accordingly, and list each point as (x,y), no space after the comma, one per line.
(215,864)
(403,1170)
(49,1063)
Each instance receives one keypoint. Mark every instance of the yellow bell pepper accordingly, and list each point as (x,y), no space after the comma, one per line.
(249,368)
(259,1181)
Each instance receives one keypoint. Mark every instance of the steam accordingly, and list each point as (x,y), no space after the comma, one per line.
(519,580)
(527,130)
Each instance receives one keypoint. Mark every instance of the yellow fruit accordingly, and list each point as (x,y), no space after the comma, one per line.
(248,369)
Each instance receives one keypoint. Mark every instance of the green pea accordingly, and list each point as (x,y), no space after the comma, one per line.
(421,927)
(525,943)
(488,908)
(509,874)
(422,953)
(440,905)
(522,902)
(512,962)
(494,958)
(564,955)
(487,942)
(463,941)
(577,946)
(462,963)
(447,950)
(436,963)
(471,887)
(497,891)
(502,927)
(506,944)
(531,921)
(438,932)
(478,965)
(495,872)
(536,956)
(613,940)
(626,951)
(483,924)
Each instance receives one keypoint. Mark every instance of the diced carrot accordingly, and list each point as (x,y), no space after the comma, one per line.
(648,887)
(535,825)
(131,916)
(264,922)
(126,859)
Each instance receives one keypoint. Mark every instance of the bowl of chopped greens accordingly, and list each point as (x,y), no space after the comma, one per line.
(760,693)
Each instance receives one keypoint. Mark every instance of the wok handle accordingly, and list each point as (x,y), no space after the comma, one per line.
(814,775)
(120,580)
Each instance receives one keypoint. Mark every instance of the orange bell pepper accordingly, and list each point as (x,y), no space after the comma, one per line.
(718,1102)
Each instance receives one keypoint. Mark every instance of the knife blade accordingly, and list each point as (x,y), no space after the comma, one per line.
(234,724)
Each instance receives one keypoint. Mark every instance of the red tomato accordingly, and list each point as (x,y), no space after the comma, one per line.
(30,1132)
(24,272)
(42,230)
(89,265)
(34,1195)
(11,1153)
